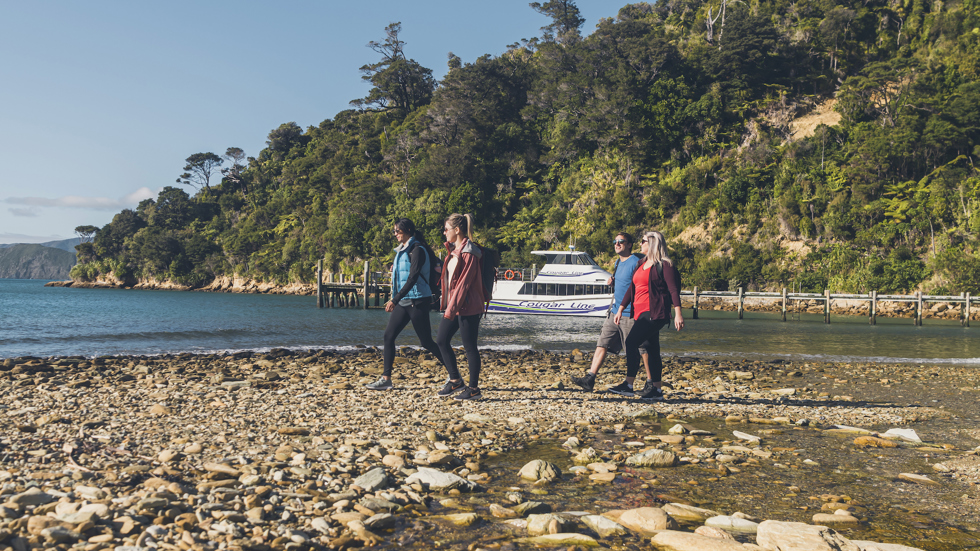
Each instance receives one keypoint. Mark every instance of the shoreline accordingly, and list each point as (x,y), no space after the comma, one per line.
(839,307)
(196,431)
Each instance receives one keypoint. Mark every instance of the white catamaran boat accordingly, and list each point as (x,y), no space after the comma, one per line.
(569,284)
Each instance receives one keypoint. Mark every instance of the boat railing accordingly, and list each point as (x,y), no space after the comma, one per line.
(515,274)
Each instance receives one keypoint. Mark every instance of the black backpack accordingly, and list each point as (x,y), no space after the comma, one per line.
(434,278)
(489,263)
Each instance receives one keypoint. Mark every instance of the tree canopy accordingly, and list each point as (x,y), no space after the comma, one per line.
(814,144)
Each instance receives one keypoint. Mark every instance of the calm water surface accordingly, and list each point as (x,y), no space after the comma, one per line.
(46,321)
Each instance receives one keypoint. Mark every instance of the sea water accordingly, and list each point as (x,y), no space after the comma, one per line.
(56,321)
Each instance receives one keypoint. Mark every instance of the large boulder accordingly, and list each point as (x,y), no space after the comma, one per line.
(373,480)
(647,521)
(606,528)
(671,540)
(732,524)
(689,513)
(537,525)
(797,536)
(540,470)
(437,480)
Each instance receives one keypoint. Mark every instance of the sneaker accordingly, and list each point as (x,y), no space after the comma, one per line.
(469,394)
(450,388)
(653,395)
(622,389)
(647,386)
(380,384)
(586,381)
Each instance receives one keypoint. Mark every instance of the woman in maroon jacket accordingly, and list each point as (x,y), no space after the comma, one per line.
(463,304)
(656,286)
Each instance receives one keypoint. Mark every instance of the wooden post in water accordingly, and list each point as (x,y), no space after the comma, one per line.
(319,283)
(873,314)
(918,308)
(826,305)
(695,316)
(741,302)
(966,313)
(365,284)
(784,303)
(331,296)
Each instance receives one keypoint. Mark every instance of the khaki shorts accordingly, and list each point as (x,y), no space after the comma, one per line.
(612,337)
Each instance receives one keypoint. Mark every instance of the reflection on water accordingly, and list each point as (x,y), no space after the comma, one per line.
(56,321)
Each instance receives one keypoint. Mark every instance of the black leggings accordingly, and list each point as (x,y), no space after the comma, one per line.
(419,316)
(468,327)
(645,333)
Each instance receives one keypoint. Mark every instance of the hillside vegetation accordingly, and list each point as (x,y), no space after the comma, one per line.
(684,116)
(29,261)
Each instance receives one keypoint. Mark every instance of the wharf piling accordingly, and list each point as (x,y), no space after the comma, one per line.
(340,292)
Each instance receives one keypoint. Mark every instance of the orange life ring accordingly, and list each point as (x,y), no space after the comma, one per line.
(509,274)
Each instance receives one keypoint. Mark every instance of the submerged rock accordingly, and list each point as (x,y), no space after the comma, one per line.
(653,458)
(539,469)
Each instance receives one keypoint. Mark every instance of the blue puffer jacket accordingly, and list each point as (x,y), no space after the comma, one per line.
(402,274)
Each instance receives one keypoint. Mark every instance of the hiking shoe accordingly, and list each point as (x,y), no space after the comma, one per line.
(622,389)
(586,381)
(647,386)
(652,395)
(450,388)
(380,384)
(469,394)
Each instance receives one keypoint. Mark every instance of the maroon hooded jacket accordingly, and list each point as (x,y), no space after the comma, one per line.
(463,296)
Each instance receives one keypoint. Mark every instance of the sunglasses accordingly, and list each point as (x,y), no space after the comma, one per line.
(643,241)
(397,232)
(619,241)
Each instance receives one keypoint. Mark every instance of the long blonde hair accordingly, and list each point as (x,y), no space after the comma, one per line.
(464,222)
(656,247)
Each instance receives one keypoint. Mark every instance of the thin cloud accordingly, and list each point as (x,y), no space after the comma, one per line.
(24,213)
(78,202)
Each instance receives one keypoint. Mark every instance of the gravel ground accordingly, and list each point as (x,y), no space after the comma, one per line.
(259,451)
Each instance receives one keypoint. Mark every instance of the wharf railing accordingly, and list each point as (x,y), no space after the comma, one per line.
(343,291)
(873,299)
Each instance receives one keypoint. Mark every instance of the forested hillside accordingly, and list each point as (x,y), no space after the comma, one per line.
(678,116)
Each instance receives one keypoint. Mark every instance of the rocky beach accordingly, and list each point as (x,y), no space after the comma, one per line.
(287,450)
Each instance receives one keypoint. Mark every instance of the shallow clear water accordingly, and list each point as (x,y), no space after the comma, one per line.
(45,321)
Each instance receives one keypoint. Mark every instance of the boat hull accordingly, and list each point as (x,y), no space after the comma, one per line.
(567,306)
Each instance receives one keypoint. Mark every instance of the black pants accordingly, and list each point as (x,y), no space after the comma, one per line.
(418,314)
(646,334)
(468,327)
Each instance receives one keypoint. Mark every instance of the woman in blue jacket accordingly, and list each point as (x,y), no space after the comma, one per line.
(411,297)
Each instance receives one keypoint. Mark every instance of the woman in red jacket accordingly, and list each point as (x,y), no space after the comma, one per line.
(656,287)
(463,304)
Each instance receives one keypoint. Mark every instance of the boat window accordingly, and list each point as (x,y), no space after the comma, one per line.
(579,290)
(525,289)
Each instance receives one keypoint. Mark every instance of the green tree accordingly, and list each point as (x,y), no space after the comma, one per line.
(565,20)
(398,83)
(199,169)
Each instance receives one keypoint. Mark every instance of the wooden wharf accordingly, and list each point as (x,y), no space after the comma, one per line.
(339,291)
(873,299)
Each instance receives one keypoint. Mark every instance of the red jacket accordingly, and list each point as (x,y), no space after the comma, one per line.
(658,291)
(463,296)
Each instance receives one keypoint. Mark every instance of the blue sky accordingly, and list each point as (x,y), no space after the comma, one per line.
(102,101)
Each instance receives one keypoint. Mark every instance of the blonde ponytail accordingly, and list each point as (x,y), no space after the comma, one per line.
(464,222)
